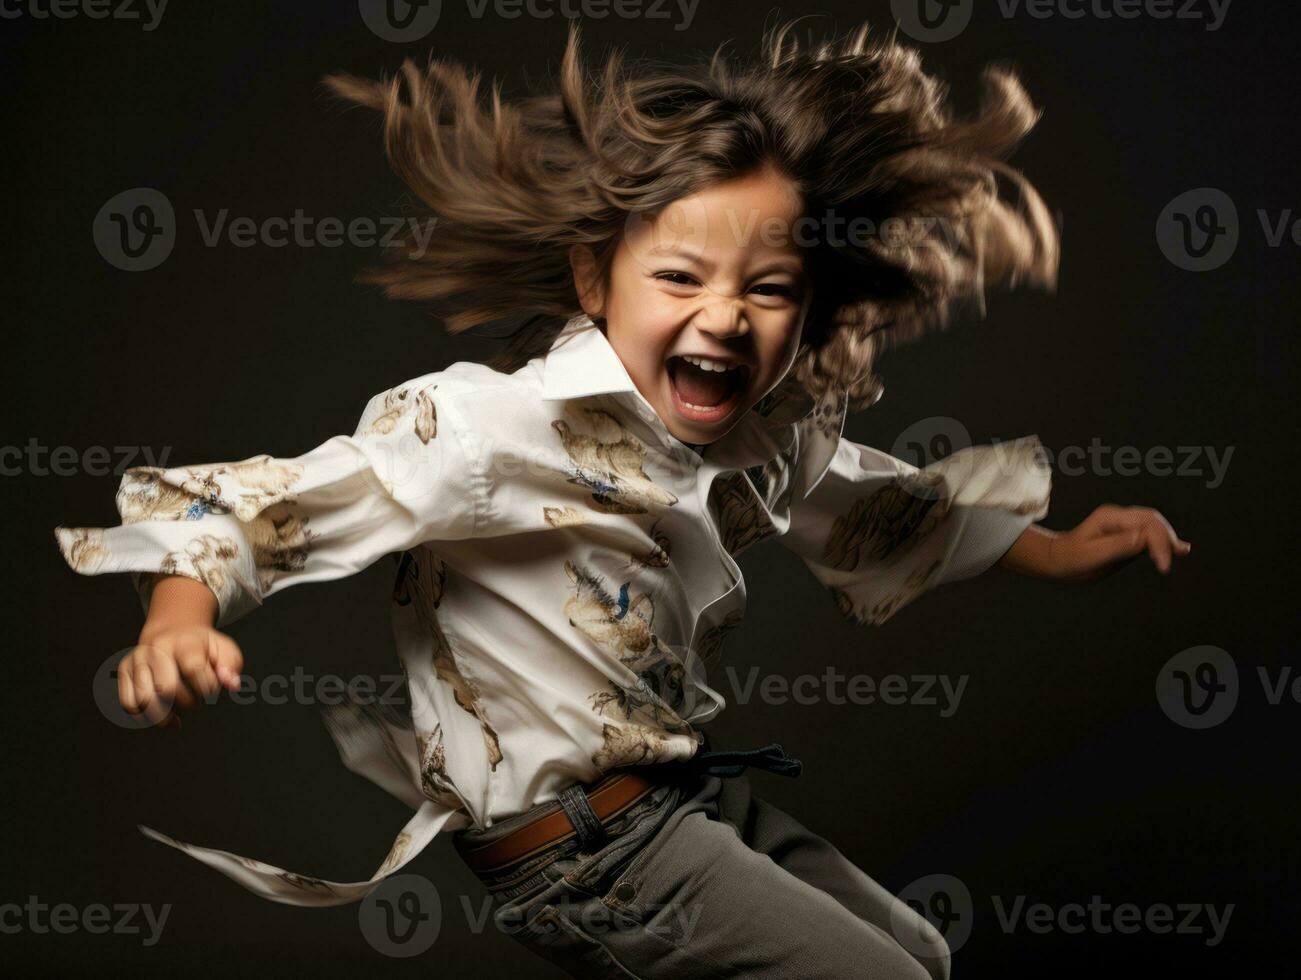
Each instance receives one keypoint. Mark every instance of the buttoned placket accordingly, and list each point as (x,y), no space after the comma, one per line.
(721,456)
(682,456)
(586,365)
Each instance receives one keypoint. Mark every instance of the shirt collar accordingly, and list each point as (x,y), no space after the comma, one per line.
(581,362)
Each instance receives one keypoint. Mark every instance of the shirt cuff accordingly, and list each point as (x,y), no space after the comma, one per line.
(987,536)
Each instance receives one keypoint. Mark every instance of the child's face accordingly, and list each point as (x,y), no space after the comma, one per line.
(716,275)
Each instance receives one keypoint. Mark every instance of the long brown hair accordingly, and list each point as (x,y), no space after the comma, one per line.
(855,123)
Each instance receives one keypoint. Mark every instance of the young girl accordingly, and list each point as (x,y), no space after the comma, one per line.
(706,264)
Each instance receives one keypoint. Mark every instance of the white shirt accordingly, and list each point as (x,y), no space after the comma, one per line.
(567,567)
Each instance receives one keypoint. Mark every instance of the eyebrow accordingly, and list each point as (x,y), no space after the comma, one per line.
(793,266)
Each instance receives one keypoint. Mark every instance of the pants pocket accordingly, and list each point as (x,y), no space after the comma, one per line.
(663,887)
(595,873)
(552,934)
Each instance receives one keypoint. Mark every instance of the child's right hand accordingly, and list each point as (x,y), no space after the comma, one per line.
(173,667)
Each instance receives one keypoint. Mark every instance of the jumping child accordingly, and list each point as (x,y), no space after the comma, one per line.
(701,266)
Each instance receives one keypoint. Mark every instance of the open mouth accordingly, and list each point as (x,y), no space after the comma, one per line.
(701,392)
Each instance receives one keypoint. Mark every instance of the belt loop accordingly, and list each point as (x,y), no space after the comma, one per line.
(591,832)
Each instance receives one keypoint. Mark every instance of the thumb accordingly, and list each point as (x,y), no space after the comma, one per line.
(226,659)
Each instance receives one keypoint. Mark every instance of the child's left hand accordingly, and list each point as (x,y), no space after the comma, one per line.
(1104,541)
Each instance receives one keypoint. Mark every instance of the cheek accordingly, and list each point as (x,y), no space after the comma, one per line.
(651,327)
(643,342)
(781,342)
(642,309)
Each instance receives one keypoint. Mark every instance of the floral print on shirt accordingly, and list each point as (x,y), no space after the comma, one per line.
(630,744)
(619,623)
(742,520)
(607,459)
(902,513)
(422,576)
(434,781)
(256,491)
(887,607)
(624,626)
(550,619)
(711,641)
(397,402)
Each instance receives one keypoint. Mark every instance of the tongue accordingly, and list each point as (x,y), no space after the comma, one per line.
(699,387)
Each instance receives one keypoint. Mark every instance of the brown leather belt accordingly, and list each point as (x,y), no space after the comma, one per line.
(609,797)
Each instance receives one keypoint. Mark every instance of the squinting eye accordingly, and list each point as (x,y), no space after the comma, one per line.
(675,278)
(777,289)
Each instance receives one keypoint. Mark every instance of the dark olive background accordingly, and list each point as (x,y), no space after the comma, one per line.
(1059,778)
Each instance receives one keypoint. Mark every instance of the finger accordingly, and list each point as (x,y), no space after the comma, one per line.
(147,700)
(196,669)
(141,696)
(227,660)
(1181,547)
(1159,544)
(1163,543)
(126,691)
(170,692)
(168,682)
(1156,517)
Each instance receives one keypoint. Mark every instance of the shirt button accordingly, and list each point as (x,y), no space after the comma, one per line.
(625,891)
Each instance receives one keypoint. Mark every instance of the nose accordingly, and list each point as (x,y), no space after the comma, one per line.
(723,317)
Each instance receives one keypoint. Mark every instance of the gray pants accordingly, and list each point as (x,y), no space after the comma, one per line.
(702,879)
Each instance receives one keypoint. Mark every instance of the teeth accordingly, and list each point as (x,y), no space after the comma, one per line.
(705,364)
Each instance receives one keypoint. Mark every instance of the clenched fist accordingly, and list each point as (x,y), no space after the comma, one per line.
(174,667)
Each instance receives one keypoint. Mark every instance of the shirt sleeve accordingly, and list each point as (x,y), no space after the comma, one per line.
(878,531)
(249,528)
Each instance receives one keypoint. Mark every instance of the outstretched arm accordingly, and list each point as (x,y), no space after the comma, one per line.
(246,529)
(1105,541)
(879,532)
